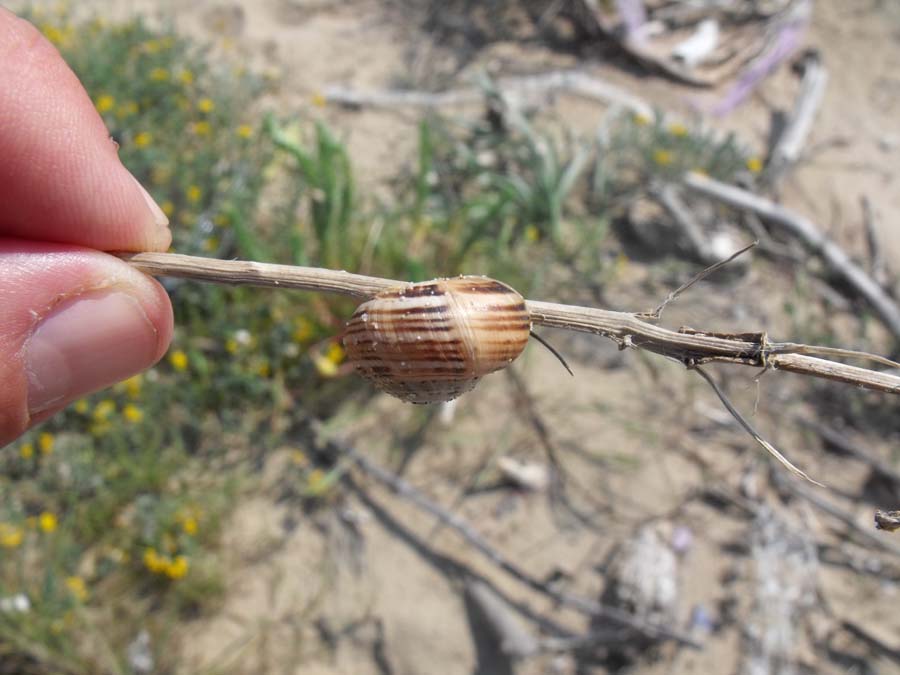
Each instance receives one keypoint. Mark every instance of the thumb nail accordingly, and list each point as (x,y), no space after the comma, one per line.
(86,345)
(159,217)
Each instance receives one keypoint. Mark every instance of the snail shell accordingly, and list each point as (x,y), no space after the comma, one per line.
(432,341)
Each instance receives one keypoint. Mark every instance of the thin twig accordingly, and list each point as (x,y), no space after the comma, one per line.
(657,313)
(837,261)
(626,329)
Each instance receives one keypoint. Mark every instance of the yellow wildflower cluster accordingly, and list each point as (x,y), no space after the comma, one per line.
(47,522)
(132,413)
(754,165)
(10,535)
(327,365)
(46,441)
(159,75)
(189,519)
(179,360)
(194,194)
(27,450)
(244,131)
(186,77)
(678,130)
(103,411)
(105,103)
(143,139)
(174,568)
(206,105)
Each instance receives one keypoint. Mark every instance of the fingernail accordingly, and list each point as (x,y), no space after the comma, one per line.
(92,342)
(158,216)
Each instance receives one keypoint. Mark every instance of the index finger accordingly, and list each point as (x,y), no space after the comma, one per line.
(60,178)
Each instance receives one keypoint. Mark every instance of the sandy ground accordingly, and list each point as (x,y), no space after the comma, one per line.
(373,586)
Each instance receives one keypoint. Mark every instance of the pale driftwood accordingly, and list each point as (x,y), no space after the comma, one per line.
(527,86)
(669,197)
(626,329)
(835,259)
(514,639)
(792,140)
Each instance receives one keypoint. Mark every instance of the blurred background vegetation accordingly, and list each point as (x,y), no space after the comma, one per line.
(115,507)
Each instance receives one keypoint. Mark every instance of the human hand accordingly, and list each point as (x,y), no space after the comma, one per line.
(72,319)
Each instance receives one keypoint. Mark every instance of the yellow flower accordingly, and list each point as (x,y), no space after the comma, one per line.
(299,458)
(205,105)
(104,409)
(105,103)
(46,442)
(193,194)
(159,75)
(186,77)
(168,208)
(662,157)
(754,164)
(263,369)
(153,561)
(641,120)
(189,525)
(54,34)
(47,522)
(10,535)
(211,244)
(202,128)
(328,365)
(177,568)
(27,451)
(678,130)
(81,406)
(152,47)
(77,588)
(335,353)
(132,413)
(532,233)
(179,360)
(318,100)
(231,345)
(244,131)
(143,139)
(133,385)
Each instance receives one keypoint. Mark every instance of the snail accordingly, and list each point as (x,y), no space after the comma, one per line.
(432,341)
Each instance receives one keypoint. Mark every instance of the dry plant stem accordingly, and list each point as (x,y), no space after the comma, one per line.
(626,329)
(838,262)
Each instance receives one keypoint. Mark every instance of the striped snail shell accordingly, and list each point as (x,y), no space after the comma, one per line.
(432,341)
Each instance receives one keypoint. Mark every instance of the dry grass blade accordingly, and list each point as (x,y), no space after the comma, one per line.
(771,449)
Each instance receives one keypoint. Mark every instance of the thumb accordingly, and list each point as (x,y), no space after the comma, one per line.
(72,321)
